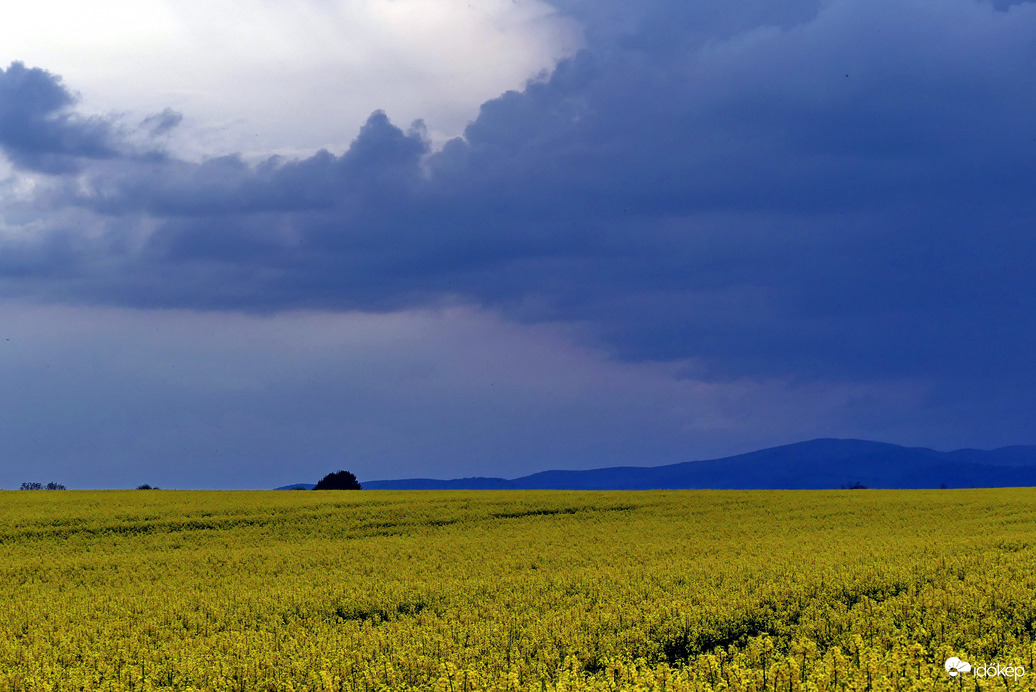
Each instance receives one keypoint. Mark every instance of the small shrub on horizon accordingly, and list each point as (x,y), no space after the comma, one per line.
(340,480)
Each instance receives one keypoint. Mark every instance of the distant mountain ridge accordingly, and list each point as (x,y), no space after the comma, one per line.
(816,464)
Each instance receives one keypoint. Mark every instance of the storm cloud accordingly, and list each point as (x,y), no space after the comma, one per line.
(813,190)
(39,130)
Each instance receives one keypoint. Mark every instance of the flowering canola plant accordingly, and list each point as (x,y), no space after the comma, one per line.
(465,591)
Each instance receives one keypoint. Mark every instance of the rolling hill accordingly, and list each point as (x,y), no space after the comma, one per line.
(823,463)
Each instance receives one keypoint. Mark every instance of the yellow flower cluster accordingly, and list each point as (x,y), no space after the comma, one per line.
(686,591)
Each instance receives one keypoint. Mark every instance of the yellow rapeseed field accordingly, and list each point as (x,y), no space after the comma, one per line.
(560,591)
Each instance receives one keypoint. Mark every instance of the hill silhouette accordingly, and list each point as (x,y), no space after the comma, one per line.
(816,464)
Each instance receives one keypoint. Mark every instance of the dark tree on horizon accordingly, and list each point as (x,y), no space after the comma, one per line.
(340,480)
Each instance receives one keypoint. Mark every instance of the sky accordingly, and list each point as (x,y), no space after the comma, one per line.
(245,244)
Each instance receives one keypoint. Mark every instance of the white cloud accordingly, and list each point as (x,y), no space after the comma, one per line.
(270,75)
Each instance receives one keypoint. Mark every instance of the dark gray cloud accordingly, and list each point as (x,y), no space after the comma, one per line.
(161,123)
(805,189)
(38,128)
